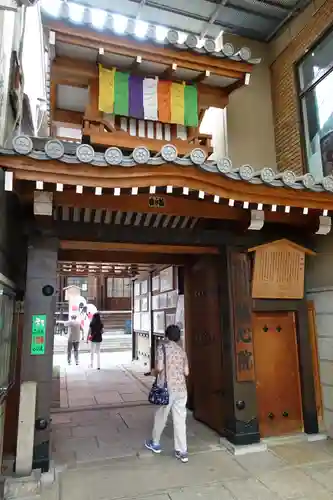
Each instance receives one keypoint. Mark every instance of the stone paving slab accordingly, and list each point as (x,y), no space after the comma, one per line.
(82,386)
(104,457)
(148,476)
(301,471)
(214,475)
(94,435)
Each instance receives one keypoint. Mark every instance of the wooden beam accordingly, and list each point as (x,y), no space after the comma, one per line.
(84,271)
(174,205)
(149,52)
(136,247)
(65,116)
(62,67)
(92,108)
(170,72)
(140,203)
(231,234)
(53,171)
(201,116)
(53,100)
(123,140)
(136,63)
(114,257)
(202,76)
(71,80)
(235,86)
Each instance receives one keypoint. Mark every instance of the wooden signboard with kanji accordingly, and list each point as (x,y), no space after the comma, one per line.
(279,270)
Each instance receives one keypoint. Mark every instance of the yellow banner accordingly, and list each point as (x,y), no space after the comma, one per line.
(106,90)
(177,103)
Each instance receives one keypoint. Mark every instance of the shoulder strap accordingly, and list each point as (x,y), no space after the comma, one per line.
(164,361)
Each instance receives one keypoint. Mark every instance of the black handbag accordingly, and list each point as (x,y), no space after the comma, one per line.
(159,395)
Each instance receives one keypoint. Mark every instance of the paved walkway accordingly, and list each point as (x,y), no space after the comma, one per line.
(300,471)
(112,341)
(82,387)
(101,455)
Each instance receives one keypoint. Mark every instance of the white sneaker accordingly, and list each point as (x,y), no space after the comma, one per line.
(183,457)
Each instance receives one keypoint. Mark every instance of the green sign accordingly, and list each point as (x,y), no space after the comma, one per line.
(38,334)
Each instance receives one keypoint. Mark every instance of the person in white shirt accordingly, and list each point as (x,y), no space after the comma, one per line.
(172,367)
(74,333)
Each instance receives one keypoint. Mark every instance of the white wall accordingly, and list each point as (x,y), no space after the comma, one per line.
(215,123)
(323,300)
(319,286)
(250,121)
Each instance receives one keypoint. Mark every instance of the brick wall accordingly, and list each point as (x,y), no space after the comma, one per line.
(298,37)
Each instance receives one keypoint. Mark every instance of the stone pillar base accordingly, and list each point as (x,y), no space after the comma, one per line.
(239,450)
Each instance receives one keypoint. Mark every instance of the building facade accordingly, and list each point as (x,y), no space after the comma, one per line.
(301,75)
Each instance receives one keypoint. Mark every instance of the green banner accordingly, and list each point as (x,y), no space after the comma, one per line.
(38,334)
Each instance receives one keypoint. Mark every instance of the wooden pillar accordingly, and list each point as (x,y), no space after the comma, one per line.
(92,110)
(188,331)
(151,332)
(41,272)
(98,292)
(240,403)
(103,292)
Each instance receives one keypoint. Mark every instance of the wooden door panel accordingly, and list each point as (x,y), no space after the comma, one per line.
(277,374)
(206,345)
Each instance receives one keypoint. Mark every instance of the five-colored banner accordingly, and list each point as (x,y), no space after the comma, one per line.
(147,98)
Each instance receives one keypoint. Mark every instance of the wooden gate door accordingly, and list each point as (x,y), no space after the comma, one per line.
(277,374)
(206,344)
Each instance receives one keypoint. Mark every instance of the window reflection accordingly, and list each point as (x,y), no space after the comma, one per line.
(316,63)
(316,82)
(81,282)
(118,287)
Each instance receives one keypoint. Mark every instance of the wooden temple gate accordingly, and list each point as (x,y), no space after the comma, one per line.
(139,188)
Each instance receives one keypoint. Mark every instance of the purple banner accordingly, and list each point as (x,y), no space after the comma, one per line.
(136,96)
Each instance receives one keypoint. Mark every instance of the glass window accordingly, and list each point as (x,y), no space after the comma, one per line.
(127,287)
(80,281)
(316,63)
(316,83)
(118,287)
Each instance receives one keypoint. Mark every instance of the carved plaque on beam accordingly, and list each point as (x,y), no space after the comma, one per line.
(279,270)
